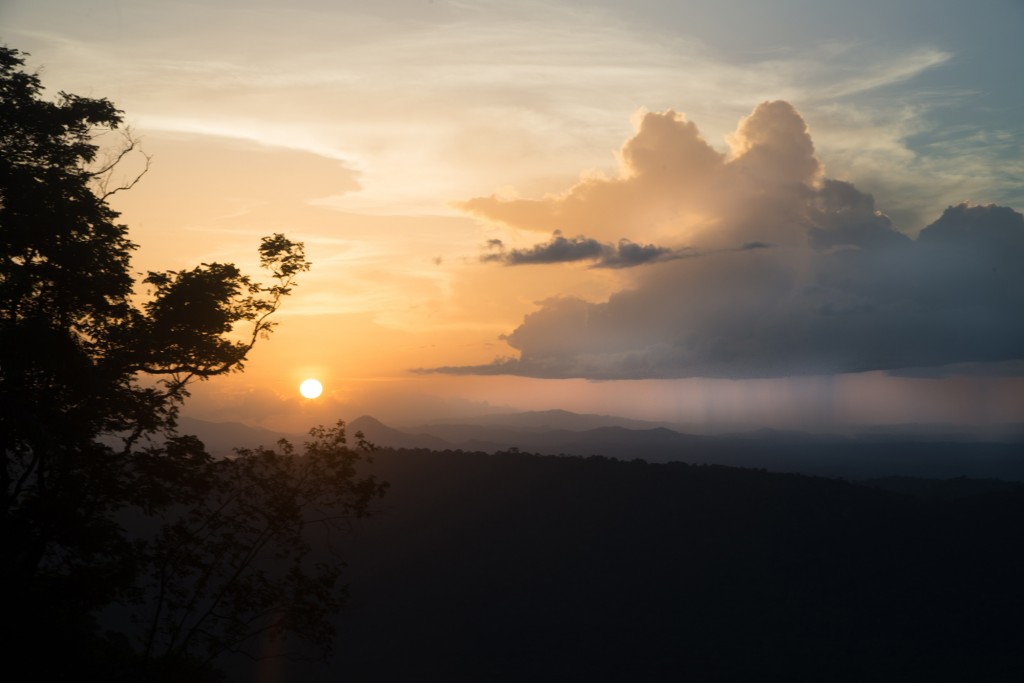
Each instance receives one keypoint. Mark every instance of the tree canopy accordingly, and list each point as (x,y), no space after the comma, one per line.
(91,381)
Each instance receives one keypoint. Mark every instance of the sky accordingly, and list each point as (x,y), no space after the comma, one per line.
(723,214)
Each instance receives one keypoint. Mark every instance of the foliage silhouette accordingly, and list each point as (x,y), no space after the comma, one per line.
(82,366)
(236,562)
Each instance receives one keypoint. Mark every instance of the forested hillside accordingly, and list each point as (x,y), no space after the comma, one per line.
(517,567)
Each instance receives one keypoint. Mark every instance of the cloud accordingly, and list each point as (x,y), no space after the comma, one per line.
(662,170)
(560,249)
(839,290)
(673,185)
(628,254)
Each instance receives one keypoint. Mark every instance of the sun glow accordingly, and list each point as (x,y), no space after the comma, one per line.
(311,388)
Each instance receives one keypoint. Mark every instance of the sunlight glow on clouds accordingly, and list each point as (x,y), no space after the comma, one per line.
(367,130)
(397,90)
(832,288)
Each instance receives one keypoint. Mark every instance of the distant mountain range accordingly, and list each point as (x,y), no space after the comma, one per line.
(905,450)
(222,438)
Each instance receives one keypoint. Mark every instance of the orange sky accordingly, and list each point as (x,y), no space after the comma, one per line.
(398,142)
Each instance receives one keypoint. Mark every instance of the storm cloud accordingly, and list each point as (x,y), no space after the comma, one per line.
(840,289)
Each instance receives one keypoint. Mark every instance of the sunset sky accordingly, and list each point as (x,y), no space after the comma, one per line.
(718,213)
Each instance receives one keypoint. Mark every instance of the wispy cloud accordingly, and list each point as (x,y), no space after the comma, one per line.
(395,88)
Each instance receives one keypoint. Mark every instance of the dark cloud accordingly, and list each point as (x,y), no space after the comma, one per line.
(839,290)
(988,231)
(841,215)
(629,254)
(560,249)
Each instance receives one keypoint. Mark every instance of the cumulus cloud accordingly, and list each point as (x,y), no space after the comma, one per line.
(561,249)
(839,290)
(672,183)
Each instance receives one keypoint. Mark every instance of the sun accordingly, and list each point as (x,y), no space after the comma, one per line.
(311,388)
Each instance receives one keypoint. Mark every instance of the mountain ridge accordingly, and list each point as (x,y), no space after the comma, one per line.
(831,455)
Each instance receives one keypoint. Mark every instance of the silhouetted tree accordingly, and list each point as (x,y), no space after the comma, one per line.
(236,565)
(75,355)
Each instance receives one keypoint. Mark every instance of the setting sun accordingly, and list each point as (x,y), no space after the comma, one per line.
(311,388)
